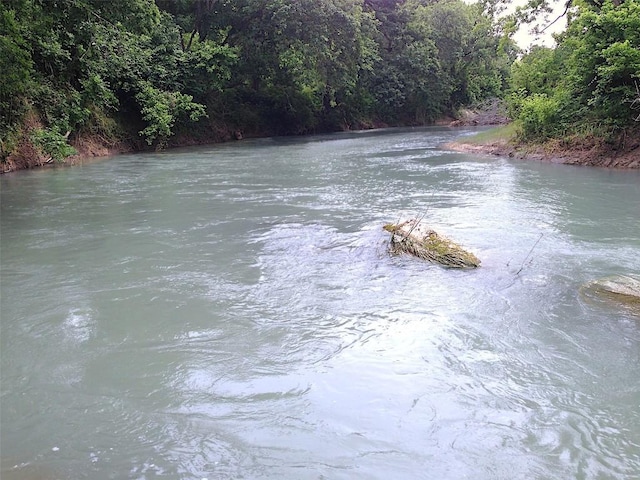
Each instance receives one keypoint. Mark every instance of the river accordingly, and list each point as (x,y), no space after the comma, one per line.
(232,312)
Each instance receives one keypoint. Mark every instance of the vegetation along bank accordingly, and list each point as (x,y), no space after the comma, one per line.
(91,77)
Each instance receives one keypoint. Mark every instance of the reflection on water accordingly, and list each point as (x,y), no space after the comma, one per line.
(232,312)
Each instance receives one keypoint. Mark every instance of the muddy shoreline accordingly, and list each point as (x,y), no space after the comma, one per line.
(591,154)
(594,154)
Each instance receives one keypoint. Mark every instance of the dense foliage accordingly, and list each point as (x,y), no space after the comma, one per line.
(145,73)
(131,70)
(590,83)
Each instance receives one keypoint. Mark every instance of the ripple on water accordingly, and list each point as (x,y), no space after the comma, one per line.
(232,312)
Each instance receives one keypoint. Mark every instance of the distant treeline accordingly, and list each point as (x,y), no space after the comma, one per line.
(126,69)
(147,73)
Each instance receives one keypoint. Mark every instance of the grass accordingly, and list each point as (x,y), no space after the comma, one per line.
(501,134)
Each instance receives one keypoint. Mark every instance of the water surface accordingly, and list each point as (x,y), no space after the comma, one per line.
(232,312)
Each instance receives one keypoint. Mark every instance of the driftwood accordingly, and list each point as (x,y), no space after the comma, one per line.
(418,240)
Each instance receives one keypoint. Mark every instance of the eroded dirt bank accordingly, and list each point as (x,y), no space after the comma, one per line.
(593,153)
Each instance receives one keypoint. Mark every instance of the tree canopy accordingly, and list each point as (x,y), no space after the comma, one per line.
(146,72)
(139,69)
(590,82)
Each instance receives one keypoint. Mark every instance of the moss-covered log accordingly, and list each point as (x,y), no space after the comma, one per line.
(418,240)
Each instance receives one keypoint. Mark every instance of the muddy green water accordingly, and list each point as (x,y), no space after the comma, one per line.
(230,312)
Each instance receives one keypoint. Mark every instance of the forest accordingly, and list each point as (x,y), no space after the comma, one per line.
(144,74)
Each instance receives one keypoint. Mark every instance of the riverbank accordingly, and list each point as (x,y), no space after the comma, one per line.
(90,146)
(593,152)
(28,157)
(497,141)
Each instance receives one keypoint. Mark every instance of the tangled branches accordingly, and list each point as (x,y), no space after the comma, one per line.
(411,237)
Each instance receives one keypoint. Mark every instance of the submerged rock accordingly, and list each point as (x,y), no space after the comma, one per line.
(418,240)
(621,289)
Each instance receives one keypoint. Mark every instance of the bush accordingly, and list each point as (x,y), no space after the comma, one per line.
(538,115)
(161,109)
(52,143)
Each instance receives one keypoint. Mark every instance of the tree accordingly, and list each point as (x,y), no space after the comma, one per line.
(298,62)
(16,67)
(589,82)
(130,68)
(606,60)
(436,56)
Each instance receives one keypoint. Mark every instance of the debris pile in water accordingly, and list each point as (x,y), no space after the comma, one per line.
(411,237)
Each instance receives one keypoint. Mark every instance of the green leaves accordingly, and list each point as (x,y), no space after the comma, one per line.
(52,143)
(270,66)
(538,117)
(161,109)
(16,67)
(435,57)
(589,81)
(539,72)
(206,67)
(607,58)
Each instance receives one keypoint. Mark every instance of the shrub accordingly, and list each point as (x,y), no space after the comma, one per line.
(538,117)
(52,143)
(160,109)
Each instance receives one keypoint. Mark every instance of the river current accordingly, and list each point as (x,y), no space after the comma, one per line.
(232,312)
